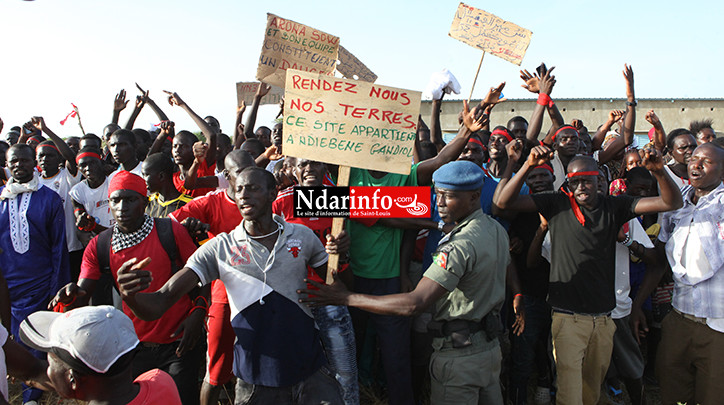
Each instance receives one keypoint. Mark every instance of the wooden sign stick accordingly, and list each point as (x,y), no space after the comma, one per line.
(337,225)
(476,76)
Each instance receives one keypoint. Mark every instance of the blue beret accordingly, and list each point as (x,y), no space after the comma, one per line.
(462,175)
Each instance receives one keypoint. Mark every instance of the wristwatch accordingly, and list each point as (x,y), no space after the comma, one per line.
(631,103)
(440,225)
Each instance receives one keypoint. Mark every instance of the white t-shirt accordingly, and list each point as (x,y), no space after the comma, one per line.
(95,201)
(136,170)
(61,183)
(623,265)
(3,367)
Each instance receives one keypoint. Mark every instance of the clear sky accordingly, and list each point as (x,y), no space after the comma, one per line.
(55,52)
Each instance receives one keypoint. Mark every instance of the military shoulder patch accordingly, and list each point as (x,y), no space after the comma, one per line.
(440,259)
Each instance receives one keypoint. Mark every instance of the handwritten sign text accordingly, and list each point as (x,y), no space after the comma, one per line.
(490,33)
(349,122)
(290,45)
(245,91)
(350,67)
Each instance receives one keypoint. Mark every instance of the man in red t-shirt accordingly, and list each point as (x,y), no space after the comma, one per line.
(217,213)
(183,153)
(169,342)
(186,159)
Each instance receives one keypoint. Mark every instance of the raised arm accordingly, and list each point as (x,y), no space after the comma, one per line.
(140,102)
(629,120)
(669,197)
(209,133)
(659,132)
(191,178)
(119,103)
(63,148)
(543,86)
(239,137)
(472,122)
(167,132)
(261,91)
(597,139)
(156,109)
(507,194)
(435,127)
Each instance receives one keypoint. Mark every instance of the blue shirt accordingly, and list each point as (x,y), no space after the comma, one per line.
(33,277)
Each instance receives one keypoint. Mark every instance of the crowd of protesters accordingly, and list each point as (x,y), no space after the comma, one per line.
(557,264)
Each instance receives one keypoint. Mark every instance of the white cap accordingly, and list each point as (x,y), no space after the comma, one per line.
(95,336)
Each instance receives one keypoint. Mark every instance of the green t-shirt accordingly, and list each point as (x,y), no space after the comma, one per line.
(375,250)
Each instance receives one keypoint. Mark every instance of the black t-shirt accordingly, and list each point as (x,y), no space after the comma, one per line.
(533,281)
(583,257)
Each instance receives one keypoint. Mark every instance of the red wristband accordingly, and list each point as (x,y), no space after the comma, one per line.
(516,296)
(545,100)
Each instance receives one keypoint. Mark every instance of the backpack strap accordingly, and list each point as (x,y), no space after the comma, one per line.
(103,250)
(103,294)
(164,228)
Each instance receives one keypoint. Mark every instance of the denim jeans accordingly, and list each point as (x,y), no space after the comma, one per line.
(337,333)
(525,347)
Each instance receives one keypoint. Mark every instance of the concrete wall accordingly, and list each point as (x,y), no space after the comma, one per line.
(674,113)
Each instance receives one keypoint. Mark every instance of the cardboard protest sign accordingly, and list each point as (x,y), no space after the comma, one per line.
(490,33)
(247,90)
(349,122)
(350,66)
(290,45)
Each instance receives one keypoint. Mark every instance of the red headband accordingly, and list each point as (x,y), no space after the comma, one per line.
(473,140)
(38,140)
(125,180)
(546,167)
(561,129)
(87,154)
(591,173)
(574,205)
(504,133)
(47,145)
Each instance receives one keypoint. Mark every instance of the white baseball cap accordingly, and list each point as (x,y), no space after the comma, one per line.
(88,337)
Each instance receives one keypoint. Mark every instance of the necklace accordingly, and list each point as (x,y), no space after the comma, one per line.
(264,236)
